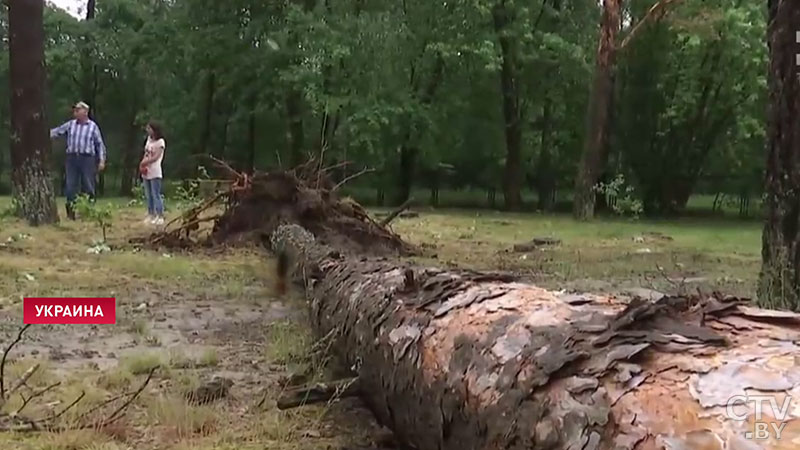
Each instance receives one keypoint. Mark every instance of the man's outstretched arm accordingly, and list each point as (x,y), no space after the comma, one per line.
(60,130)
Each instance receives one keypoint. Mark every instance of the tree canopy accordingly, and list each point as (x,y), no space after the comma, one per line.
(479,94)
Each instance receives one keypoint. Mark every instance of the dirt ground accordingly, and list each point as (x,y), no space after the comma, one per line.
(212,314)
(195,316)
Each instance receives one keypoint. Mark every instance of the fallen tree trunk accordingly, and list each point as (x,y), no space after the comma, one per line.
(464,360)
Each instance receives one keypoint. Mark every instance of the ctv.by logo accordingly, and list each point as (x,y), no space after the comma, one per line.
(763,427)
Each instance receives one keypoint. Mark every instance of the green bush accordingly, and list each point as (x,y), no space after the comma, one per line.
(91,211)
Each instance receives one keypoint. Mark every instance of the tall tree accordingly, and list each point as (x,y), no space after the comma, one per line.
(30,143)
(596,140)
(598,120)
(780,274)
(503,15)
(89,87)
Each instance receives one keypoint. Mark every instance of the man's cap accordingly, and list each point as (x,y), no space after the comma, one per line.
(82,105)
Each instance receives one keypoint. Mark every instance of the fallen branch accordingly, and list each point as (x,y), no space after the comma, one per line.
(68,407)
(197,210)
(351,177)
(23,379)
(119,412)
(35,394)
(336,166)
(12,421)
(319,393)
(226,167)
(388,219)
(3,362)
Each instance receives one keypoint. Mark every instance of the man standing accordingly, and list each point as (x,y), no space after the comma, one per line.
(86,154)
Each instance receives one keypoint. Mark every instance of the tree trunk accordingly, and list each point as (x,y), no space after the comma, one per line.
(779,285)
(595,145)
(294,114)
(223,152)
(130,162)
(251,142)
(208,112)
(546,179)
(456,360)
(30,141)
(89,87)
(408,164)
(408,151)
(512,181)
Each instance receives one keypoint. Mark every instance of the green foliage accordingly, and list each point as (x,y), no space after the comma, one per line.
(621,197)
(138,195)
(188,194)
(90,211)
(372,77)
(12,210)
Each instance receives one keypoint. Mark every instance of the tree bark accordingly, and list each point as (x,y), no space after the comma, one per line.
(30,141)
(294,114)
(89,87)
(130,161)
(409,152)
(779,284)
(407,172)
(512,181)
(251,141)
(208,111)
(546,179)
(595,144)
(456,360)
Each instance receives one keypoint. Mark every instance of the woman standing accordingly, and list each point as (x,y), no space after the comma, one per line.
(150,169)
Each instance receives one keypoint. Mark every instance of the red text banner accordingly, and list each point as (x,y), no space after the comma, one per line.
(70,310)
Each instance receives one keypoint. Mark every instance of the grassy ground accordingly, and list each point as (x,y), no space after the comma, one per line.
(195,316)
(607,255)
(213,314)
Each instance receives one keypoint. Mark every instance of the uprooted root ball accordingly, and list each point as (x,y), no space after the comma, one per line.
(256,205)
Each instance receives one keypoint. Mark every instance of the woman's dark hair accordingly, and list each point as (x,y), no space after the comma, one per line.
(158,133)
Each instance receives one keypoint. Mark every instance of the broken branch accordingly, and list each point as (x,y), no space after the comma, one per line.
(68,407)
(39,393)
(335,166)
(351,177)
(23,379)
(388,219)
(318,393)
(225,166)
(118,413)
(5,356)
(655,13)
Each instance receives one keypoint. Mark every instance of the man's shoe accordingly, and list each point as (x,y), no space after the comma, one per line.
(70,214)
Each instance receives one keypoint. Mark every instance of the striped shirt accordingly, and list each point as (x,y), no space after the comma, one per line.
(82,138)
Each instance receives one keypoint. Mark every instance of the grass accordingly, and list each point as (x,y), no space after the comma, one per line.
(164,300)
(611,253)
(142,363)
(287,341)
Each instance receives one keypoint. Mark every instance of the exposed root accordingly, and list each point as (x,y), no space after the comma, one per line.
(254,205)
